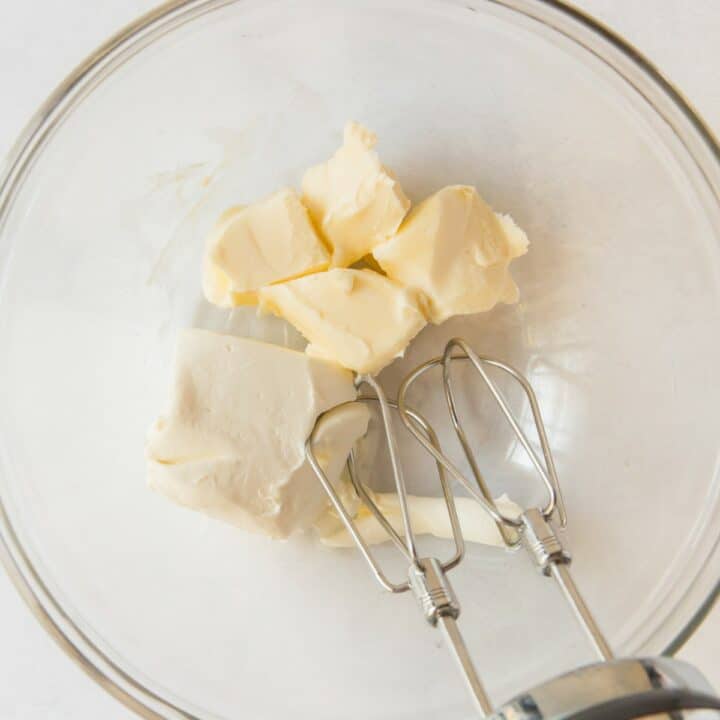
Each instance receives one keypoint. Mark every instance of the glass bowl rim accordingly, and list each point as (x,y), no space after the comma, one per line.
(119,48)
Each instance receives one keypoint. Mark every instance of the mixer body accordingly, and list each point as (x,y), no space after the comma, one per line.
(619,690)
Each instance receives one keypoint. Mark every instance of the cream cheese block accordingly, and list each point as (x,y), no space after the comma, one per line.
(232,443)
(428,516)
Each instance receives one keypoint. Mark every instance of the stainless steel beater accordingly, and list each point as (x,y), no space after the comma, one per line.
(426,576)
(533,526)
(608,690)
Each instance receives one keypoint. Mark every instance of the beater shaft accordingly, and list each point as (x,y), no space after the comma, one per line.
(456,644)
(440,606)
(545,548)
(561,573)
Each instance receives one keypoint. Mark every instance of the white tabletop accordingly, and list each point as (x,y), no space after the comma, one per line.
(40,42)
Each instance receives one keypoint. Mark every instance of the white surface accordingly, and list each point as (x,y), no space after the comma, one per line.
(38,681)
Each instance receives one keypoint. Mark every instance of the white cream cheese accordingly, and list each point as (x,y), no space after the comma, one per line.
(232,443)
(428,515)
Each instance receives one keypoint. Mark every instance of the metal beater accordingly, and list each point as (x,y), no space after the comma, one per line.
(608,690)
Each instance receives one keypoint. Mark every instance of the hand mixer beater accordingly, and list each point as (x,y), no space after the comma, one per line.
(608,690)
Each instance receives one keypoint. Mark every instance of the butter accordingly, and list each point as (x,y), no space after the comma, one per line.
(232,444)
(456,251)
(353,199)
(428,516)
(268,242)
(357,318)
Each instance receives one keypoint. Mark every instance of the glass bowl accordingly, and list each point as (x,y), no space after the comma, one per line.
(203,104)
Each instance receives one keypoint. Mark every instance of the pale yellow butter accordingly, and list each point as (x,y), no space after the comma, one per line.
(353,199)
(264,243)
(456,251)
(357,318)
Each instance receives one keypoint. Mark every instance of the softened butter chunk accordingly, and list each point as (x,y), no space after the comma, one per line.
(268,242)
(353,199)
(232,443)
(357,318)
(456,251)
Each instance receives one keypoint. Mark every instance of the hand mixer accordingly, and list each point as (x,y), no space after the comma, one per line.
(611,689)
